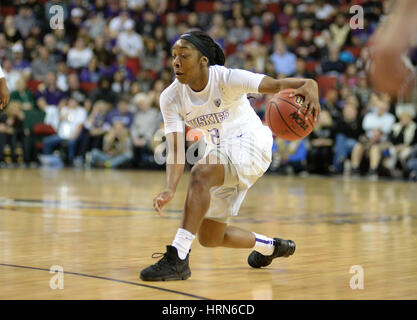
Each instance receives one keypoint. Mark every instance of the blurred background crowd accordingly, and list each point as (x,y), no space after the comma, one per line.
(87,94)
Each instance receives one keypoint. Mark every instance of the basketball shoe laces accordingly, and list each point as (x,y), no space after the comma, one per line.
(164,261)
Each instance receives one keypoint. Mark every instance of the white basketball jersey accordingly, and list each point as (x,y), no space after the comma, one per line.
(221,110)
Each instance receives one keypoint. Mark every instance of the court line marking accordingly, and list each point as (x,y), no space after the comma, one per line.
(110,279)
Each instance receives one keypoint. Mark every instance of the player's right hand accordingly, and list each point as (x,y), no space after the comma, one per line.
(162,199)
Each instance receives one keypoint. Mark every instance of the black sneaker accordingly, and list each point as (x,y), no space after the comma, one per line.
(170,267)
(283,248)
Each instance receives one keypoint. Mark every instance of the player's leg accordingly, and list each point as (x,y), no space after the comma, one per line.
(174,264)
(214,233)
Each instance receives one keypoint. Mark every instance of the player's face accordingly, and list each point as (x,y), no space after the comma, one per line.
(185,61)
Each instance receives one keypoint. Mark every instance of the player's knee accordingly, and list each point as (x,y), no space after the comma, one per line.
(208,241)
(200,176)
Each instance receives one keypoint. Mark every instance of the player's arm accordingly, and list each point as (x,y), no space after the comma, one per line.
(174,168)
(388,72)
(307,88)
(4,91)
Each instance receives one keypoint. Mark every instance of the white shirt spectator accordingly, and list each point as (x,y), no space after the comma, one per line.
(117,24)
(12,77)
(79,58)
(130,43)
(73,118)
(373,121)
(52,116)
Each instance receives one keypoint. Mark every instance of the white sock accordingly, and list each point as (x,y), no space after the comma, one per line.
(264,245)
(183,240)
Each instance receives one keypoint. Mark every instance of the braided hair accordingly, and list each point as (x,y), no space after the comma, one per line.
(206,46)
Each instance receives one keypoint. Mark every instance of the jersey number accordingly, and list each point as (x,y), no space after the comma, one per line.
(215,136)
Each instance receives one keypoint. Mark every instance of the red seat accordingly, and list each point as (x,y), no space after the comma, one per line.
(311,66)
(88,86)
(356,51)
(134,65)
(204,6)
(33,84)
(326,83)
(7,11)
(273,7)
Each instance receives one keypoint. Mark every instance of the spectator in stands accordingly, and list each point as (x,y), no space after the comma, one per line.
(145,123)
(362,91)
(331,103)
(72,117)
(306,48)
(284,60)
(12,75)
(93,132)
(102,51)
(130,42)
(93,72)
(147,25)
(75,91)
(151,58)
(74,23)
(402,137)
(339,30)
(121,67)
(22,94)
(49,90)
(95,24)
(239,33)
(50,43)
(79,55)
(43,64)
(62,40)
(104,92)
(10,32)
(120,84)
(117,148)
(171,30)
(11,130)
(289,156)
(33,116)
(117,24)
(377,125)
(19,62)
(350,76)
(284,17)
(333,65)
(121,114)
(412,163)
(25,21)
(348,130)
(320,154)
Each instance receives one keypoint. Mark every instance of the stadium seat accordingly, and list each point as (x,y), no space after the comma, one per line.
(311,65)
(7,11)
(33,84)
(326,83)
(203,6)
(88,86)
(134,65)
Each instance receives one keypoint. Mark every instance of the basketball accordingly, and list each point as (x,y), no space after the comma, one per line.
(283,118)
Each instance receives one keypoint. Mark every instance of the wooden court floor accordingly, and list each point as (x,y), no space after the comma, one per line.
(99,227)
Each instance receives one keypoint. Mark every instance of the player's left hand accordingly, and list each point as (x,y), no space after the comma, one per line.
(311,105)
(4,94)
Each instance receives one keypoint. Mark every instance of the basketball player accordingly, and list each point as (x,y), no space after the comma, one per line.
(211,97)
(4,91)
(390,70)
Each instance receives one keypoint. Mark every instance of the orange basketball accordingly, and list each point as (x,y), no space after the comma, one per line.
(283,118)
